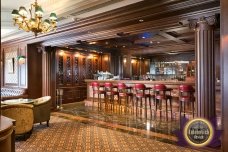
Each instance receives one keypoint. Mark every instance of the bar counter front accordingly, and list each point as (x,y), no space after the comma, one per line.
(169,84)
(173,91)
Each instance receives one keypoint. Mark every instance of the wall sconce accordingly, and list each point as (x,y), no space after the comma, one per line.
(61,53)
(77,55)
(133,61)
(125,60)
(21,59)
(90,56)
(106,58)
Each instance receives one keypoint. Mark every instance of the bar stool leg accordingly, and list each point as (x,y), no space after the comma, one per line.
(180,109)
(184,109)
(150,107)
(160,108)
(136,106)
(145,107)
(193,109)
(140,106)
(166,109)
(171,108)
(99,105)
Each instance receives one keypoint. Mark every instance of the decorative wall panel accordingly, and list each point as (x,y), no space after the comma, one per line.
(68,70)
(76,70)
(71,71)
(11,67)
(89,69)
(83,69)
(60,70)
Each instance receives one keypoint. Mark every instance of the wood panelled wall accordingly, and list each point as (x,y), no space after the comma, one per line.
(13,73)
(49,73)
(34,72)
(73,67)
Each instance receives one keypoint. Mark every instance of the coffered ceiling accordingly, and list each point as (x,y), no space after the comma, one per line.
(138,27)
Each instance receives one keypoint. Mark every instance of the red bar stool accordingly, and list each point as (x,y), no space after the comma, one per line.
(97,89)
(140,93)
(160,94)
(110,92)
(186,96)
(125,93)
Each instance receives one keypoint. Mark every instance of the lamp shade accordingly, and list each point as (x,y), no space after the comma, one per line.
(15,13)
(39,11)
(53,16)
(23,11)
(46,22)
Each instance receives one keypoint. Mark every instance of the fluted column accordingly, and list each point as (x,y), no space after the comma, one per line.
(205,78)
(48,73)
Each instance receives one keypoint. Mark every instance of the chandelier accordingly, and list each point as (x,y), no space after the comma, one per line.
(34,23)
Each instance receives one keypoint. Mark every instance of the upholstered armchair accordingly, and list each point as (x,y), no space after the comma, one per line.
(42,109)
(23,114)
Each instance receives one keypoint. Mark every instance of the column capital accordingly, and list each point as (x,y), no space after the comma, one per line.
(209,21)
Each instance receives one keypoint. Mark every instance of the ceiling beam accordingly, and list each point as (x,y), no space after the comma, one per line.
(108,24)
(170,37)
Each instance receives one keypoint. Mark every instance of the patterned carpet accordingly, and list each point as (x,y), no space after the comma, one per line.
(65,135)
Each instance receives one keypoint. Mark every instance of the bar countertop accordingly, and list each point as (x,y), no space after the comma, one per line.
(144,82)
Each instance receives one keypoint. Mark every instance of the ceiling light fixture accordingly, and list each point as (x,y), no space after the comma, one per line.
(34,23)
(173,53)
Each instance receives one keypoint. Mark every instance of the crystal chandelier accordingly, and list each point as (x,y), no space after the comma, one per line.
(34,23)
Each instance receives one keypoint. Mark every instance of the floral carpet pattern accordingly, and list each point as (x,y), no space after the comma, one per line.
(65,135)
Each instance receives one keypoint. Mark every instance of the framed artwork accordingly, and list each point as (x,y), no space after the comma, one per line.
(10,64)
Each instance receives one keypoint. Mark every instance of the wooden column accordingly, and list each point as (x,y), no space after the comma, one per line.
(205,82)
(224,71)
(48,73)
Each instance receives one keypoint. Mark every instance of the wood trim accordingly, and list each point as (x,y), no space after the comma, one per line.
(224,72)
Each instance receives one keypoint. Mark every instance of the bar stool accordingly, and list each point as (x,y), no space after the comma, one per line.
(97,89)
(110,92)
(160,94)
(125,93)
(140,93)
(186,95)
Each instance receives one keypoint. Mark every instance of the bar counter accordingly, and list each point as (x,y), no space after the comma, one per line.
(170,84)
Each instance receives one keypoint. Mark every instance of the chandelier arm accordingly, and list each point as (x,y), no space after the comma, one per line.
(30,10)
(38,27)
(48,28)
(27,25)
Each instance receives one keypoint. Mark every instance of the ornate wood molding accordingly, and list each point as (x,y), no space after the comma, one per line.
(210,20)
(158,15)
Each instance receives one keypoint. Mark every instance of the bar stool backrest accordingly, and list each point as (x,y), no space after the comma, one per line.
(95,86)
(186,90)
(140,88)
(121,87)
(108,86)
(159,87)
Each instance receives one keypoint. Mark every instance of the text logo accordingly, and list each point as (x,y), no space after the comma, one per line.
(198,132)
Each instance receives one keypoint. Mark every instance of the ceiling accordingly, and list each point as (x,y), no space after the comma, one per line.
(66,10)
(136,27)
